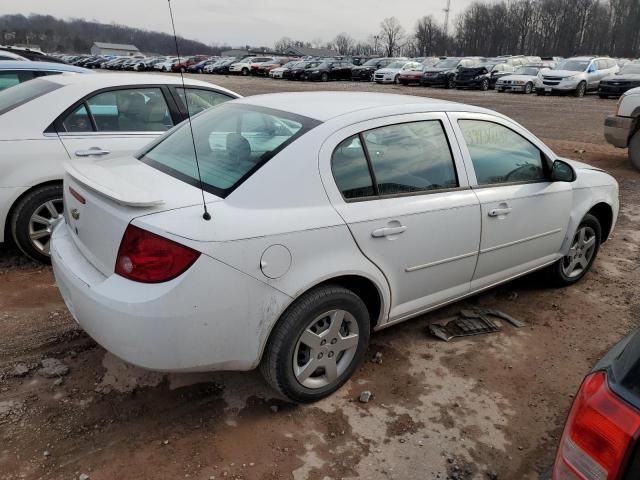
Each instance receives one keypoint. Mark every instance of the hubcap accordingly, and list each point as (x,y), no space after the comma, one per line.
(325,349)
(41,224)
(580,253)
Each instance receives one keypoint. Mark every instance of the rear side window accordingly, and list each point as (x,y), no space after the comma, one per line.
(23,93)
(9,79)
(500,155)
(404,158)
(200,99)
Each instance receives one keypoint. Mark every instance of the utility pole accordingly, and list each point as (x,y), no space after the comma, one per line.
(445,30)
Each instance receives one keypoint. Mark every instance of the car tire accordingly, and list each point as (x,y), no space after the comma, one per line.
(286,351)
(450,84)
(583,251)
(30,235)
(528,88)
(245,72)
(603,97)
(484,85)
(581,89)
(324,77)
(634,150)
(397,80)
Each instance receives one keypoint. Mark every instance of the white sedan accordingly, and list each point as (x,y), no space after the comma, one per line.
(391,73)
(46,121)
(523,80)
(328,215)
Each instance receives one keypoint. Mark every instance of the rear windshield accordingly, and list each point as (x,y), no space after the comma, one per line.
(232,141)
(13,97)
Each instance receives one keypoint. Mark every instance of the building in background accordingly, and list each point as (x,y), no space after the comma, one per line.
(100,48)
(309,52)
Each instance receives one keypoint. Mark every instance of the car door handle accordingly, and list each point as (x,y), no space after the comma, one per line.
(92,151)
(388,231)
(496,212)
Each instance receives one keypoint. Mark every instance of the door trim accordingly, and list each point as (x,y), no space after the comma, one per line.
(521,240)
(440,262)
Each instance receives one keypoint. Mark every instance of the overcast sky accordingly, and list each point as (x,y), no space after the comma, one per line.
(241,22)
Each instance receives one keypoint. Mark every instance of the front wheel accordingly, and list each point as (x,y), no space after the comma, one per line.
(33,220)
(634,150)
(581,90)
(397,80)
(484,86)
(317,344)
(528,88)
(245,72)
(582,253)
(324,77)
(451,83)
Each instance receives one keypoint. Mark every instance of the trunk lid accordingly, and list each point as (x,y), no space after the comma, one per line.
(102,197)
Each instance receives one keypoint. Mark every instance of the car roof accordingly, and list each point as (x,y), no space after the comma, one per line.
(324,106)
(105,80)
(41,66)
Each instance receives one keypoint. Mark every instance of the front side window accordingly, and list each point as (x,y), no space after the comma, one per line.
(231,140)
(500,155)
(199,99)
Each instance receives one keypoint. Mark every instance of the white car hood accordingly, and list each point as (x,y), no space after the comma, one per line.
(580,165)
(515,78)
(388,70)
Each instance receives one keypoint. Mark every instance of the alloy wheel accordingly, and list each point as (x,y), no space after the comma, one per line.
(42,222)
(325,349)
(528,88)
(581,252)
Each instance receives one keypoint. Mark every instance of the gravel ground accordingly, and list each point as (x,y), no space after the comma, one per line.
(485,407)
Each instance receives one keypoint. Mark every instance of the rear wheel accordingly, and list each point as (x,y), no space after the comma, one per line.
(317,344)
(634,150)
(528,88)
(33,220)
(582,253)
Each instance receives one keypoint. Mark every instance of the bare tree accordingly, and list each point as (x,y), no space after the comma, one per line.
(427,34)
(391,33)
(344,44)
(282,44)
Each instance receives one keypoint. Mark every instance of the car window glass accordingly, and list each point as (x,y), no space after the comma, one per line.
(500,155)
(78,121)
(410,157)
(8,79)
(130,110)
(200,99)
(231,142)
(350,169)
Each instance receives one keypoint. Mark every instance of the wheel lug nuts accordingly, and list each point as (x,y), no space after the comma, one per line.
(320,355)
(333,341)
(323,342)
(330,354)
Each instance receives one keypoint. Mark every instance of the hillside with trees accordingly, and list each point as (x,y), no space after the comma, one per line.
(77,36)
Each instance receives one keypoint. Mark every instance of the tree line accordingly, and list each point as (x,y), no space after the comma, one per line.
(533,27)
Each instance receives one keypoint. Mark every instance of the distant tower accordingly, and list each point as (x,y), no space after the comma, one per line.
(445,30)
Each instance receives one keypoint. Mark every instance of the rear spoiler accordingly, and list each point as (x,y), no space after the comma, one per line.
(107,183)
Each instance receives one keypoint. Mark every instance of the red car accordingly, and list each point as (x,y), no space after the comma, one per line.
(187,62)
(411,76)
(263,69)
(601,439)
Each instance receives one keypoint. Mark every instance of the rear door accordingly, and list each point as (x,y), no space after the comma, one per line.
(400,185)
(116,122)
(525,216)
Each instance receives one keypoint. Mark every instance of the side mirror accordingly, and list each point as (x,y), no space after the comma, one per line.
(562,172)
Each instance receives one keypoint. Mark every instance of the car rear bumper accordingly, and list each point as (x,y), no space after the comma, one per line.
(617,130)
(212,317)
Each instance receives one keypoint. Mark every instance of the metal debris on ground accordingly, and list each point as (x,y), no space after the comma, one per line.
(471,322)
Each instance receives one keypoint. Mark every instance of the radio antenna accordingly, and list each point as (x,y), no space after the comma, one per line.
(206,214)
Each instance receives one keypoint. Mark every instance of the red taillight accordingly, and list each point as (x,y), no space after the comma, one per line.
(600,432)
(149,258)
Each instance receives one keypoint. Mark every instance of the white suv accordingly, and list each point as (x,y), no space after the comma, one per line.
(577,75)
(622,130)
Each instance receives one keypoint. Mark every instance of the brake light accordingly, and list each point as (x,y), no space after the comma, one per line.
(149,258)
(599,435)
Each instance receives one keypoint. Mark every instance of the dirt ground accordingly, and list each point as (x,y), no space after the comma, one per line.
(489,407)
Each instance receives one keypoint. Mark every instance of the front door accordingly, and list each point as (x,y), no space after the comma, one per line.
(401,187)
(115,122)
(524,215)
